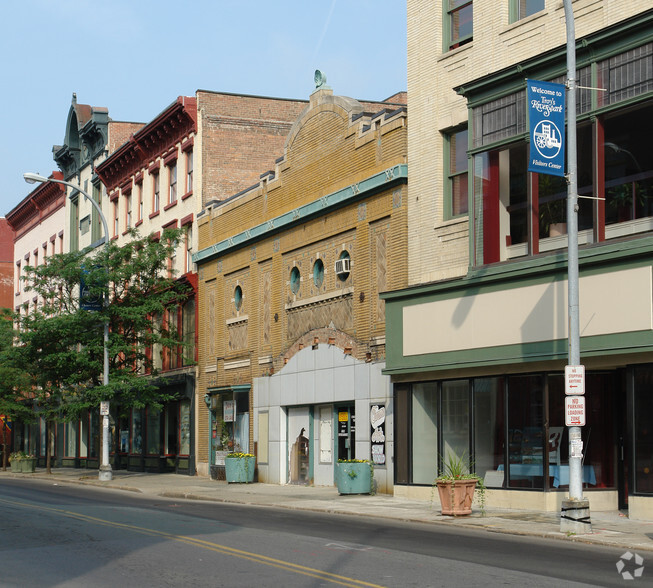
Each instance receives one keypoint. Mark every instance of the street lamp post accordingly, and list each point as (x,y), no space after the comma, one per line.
(575,511)
(105,473)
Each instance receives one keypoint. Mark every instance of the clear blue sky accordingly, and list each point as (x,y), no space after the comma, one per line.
(136,56)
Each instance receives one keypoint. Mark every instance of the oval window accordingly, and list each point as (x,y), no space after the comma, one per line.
(294,280)
(318,272)
(238,297)
(343,266)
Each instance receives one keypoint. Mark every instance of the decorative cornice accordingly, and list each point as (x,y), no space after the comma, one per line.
(170,127)
(45,199)
(325,204)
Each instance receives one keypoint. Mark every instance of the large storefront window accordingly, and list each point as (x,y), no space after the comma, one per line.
(643,412)
(83,437)
(171,428)
(136,431)
(184,427)
(500,423)
(153,432)
(424,440)
(455,419)
(71,439)
(525,433)
(229,423)
(489,427)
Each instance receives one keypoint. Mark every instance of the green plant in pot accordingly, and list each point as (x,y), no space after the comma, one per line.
(457,486)
(22,462)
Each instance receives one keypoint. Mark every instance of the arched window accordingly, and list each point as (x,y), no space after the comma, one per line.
(343,266)
(318,272)
(295,278)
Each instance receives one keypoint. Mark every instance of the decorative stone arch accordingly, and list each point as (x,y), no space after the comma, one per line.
(318,378)
(324,101)
(325,336)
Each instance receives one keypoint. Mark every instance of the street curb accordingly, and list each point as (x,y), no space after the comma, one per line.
(628,541)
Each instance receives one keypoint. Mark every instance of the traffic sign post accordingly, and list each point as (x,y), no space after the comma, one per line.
(574,379)
(575,411)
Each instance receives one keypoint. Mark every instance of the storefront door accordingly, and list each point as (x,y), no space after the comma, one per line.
(299,445)
(346,432)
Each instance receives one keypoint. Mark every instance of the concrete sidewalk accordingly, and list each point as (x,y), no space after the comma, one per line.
(612,529)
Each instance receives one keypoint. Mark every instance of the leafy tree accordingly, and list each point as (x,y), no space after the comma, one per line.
(61,341)
(15,404)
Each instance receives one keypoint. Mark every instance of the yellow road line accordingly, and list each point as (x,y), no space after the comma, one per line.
(216,547)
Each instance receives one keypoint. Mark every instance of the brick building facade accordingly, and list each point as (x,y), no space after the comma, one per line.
(486,378)
(6,264)
(290,273)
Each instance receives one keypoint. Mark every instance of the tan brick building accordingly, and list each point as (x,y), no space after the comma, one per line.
(290,270)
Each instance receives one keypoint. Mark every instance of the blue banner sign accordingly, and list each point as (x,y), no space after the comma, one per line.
(87,300)
(546,114)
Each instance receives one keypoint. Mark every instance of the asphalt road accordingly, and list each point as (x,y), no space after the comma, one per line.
(83,536)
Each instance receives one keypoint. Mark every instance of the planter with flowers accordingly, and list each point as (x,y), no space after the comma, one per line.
(239,467)
(456,486)
(22,462)
(354,476)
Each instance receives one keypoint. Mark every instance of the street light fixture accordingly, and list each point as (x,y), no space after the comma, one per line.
(105,473)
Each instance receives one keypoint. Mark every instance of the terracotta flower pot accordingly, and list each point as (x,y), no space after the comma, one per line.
(456,496)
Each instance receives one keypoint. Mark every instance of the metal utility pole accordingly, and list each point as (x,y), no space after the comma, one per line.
(575,513)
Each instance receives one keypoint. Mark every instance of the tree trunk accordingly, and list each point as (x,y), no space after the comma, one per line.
(4,451)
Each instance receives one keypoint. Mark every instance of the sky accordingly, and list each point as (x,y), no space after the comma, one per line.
(135,57)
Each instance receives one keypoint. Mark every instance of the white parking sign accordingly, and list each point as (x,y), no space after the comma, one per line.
(574,379)
(575,411)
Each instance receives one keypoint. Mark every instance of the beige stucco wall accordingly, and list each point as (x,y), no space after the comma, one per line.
(616,302)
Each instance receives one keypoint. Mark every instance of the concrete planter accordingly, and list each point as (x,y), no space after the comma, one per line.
(239,470)
(25,465)
(28,466)
(354,477)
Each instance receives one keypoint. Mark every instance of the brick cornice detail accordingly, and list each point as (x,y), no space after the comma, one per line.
(43,201)
(175,123)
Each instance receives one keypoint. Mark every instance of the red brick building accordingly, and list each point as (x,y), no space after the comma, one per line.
(6,264)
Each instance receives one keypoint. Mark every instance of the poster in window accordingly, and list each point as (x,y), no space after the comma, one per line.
(377,425)
(229,411)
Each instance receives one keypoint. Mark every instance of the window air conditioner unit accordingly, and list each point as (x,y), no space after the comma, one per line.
(343,266)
